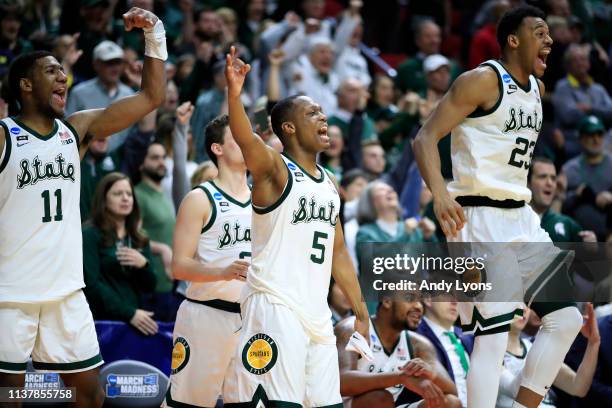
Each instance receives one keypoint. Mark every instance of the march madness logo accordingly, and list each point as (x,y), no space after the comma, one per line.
(180,354)
(259,354)
(132,385)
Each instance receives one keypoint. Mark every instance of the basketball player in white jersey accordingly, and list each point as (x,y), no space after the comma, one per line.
(405,372)
(286,352)
(212,247)
(42,307)
(495,114)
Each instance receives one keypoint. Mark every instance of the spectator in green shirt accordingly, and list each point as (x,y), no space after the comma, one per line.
(158,219)
(116,256)
(542,181)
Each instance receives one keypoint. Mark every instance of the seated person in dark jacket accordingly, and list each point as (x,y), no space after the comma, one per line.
(116,256)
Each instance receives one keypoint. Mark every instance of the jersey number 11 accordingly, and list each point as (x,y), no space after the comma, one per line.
(47,202)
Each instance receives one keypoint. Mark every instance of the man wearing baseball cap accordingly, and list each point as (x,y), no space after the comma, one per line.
(589,185)
(105,88)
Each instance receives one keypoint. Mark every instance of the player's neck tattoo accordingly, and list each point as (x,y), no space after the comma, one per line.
(310,211)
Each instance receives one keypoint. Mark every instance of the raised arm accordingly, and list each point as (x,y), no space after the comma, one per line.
(100,123)
(263,162)
(345,276)
(193,216)
(180,180)
(469,92)
(578,383)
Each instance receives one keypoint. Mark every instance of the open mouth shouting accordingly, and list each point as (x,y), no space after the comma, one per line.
(542,56)
(322,132)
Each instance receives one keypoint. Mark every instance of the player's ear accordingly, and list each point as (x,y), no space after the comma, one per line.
(216,149)
(25,84)
(288,128)
(513,40)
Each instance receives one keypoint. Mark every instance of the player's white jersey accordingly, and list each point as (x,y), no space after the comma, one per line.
(383,363)
(293,243)
(491,150)
(41,252)
(225,238)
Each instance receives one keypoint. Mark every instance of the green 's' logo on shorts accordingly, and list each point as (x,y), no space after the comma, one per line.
(180,355)
(259,354)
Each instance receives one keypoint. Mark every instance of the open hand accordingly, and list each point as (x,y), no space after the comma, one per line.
(139,18)
(131,257)
(589,327)
(235,73)
(143,321)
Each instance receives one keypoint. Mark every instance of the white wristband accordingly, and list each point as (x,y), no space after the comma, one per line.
(155,41)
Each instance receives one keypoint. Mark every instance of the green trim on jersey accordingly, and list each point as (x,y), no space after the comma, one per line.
(175,404)
(74,133)
(339,405)
(260,396)
(213,216)
(78,365)
(525,89)
(7,144)
(280,200)
(35,133)
(546,275)
(410,350)
(18,368)
(230,198)
(486,323)
(479,112)
(321,170)
(390,352)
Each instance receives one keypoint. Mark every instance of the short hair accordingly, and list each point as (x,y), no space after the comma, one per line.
(281,113)
(21,67)
(214,133)
(350,176)
(537,159)
(569,52)
(421,23)
(512,20)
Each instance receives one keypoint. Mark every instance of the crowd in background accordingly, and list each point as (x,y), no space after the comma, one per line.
(317,48)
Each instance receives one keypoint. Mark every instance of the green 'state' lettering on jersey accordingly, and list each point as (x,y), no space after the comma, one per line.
(312,211)
(233,235)
(522,120)
(32,174)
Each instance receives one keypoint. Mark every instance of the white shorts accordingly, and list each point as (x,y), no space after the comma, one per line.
(60,336)
(517,271)
(276,361)
(205,340)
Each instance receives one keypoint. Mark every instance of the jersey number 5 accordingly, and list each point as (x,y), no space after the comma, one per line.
(47,202)
(319,246)
(524,146)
